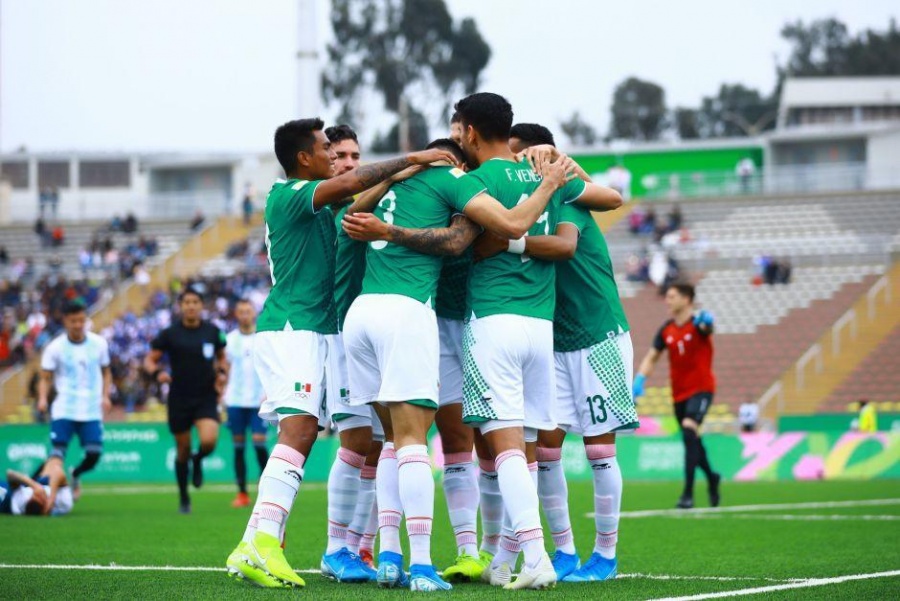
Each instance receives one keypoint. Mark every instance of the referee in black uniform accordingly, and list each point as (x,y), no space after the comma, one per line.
(196,351)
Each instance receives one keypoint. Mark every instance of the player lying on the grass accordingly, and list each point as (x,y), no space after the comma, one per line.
(243,395)
(593,357)
(77,362)
(46,493)
(687,336)
(199,374)
(291,347)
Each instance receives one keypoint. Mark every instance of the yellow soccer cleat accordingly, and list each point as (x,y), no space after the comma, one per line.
(239,568)
(466,569)
(265,553)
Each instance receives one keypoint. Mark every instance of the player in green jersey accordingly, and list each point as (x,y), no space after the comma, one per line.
(291,346)
(594,369)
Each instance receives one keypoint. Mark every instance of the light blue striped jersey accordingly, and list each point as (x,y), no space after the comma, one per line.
(78,376)
(244,388)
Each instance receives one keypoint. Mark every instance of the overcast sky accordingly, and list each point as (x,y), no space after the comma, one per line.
(219,75)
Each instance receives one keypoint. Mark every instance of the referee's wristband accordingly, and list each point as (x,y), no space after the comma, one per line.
(517,246)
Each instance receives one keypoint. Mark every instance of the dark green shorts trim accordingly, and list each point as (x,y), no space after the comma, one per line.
(424,403)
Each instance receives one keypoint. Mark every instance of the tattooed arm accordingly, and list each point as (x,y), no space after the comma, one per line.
(441,241)
(338,188)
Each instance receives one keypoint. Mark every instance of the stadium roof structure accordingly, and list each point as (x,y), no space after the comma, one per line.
(836,92)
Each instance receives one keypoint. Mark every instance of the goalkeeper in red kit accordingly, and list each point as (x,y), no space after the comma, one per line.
(687,336)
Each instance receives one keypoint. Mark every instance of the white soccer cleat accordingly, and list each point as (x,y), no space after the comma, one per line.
(539,577)
(497,575)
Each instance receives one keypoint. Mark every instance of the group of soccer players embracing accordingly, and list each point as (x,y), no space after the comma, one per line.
(468,285)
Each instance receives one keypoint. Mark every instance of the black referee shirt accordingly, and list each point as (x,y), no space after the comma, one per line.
(192,355)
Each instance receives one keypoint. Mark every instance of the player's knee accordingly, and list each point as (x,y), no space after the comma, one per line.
(357,440)
(92,458)
(689,424)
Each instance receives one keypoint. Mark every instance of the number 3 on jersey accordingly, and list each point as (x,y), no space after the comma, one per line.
(544,218)
(388,204)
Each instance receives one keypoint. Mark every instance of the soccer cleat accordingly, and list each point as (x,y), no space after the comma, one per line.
(565,563)
(241,500)
(344,566)
(424,579)
(596,569)
(75,483)
(239,568)
(540,576)
(265,553)
(365,555)
(714,497)
(685,502)
(497,575)
(184,506)
(197,470)
(466,568)
(390,571)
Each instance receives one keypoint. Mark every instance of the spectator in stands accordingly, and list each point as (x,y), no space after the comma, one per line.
(54,201)
(867,421)
(748,415)
(649,224)
(4,256)
(116,224)
(745,170)
(59,235)
(636,269)
(43,200)
(197,221)
(247,204)
(674,218)
(40,228)
(141,277)
(636,220)
(130,225)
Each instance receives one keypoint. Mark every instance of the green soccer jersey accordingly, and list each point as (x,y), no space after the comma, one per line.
(452,284)
(349,268)
(426,200)
(508,283)
(588,309)
(300,241)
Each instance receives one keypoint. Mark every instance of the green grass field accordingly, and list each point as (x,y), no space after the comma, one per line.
(661,554)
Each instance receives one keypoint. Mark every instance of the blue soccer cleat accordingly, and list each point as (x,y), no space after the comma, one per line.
(424,578)
(565,563)
(390,571)
(344,566)
(596,569)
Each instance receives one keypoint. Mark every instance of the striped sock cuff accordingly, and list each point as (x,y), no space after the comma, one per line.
(414,459)
(351,458)
(388,452)
(544,454)
(607,539)
(367,541)
(533,467)
(600,451)
(388,519)
(508,455)
(510,544)
(526,535)
(271,512)
(286,453)
(491,539)
(466,537)
(368,472)
(487,465)
(456,458)
(563,538)
(254,519)
(353,538)
(418,526)
(337,530)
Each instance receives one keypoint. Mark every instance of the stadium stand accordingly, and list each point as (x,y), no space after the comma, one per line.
(876,378)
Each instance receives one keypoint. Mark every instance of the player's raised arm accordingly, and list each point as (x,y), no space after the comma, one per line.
(599,198)
(514,223)
(368,200)
(444,241)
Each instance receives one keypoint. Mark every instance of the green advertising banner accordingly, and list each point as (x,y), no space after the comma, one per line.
(145,453)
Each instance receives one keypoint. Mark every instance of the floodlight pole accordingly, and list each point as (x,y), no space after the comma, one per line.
(309,80)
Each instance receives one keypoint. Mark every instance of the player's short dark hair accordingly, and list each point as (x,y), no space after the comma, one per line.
(339,133)
(684,289)
(532,134)
(490,114)
(455,118)
(293,137)
(243,301)
(33,507)
(450,146)
(189,292)
(74,307)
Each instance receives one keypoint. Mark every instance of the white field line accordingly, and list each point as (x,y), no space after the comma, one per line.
(809,583)
(790,517)
(652,513)
(117,568)
(167,489)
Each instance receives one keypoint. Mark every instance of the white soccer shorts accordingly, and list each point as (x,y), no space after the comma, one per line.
(508,371)
(392,350)
(342,414)
(291,367)
(450,333)
(593,386)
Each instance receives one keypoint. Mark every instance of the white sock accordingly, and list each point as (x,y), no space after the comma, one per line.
(278,486)
(554,495)
(390,508)
(607,496)
(509,548)
(343,490)
(367,542)
(250,531)
(491,504)
(521,501)
(461,490)
(417,495)
(365,503)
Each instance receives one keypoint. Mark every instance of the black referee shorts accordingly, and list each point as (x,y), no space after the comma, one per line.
(694,408)
(182,415)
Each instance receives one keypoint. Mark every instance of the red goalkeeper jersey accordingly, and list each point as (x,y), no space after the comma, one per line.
(690,358)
